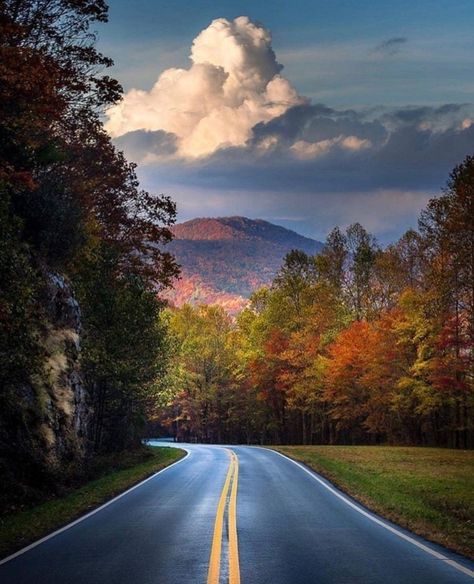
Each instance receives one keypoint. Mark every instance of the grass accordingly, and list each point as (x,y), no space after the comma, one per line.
(427,490)
(20,529)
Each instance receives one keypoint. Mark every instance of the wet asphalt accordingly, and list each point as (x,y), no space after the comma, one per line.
(291,530)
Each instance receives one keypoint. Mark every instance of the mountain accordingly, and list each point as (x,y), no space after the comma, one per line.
(225,259)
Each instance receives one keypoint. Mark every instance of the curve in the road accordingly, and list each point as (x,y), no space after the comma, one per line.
(385,525)
(294,527)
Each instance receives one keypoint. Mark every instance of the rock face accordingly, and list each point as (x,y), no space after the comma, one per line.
(225,259)
(67,412)
(45,440)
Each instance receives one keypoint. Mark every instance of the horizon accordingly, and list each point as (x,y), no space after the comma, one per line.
(261,219)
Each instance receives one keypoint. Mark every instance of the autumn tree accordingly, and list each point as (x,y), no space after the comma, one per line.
(207,375)
(358,344)
(71,205)
(362,370)
(362,249)
(332,262)
(447,226)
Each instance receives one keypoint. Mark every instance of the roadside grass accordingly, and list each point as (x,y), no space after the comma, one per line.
(115,476)
(429,491)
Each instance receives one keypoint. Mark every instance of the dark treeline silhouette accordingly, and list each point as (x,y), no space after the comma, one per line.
(80,340)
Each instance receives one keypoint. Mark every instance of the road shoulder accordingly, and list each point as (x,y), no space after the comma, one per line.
(32,525)
(403,485)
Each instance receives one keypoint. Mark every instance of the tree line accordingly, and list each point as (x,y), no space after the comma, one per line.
(358,344)
(71,208)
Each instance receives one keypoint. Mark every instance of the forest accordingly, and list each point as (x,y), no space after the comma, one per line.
(81,255)
(356,345)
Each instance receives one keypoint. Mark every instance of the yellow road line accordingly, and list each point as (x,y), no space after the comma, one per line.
(215,559)
(234,568)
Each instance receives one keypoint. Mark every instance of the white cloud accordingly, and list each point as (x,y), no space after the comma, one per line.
(234,82)
(354,143)
(308,150)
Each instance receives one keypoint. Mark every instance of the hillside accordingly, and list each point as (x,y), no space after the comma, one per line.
(225,259)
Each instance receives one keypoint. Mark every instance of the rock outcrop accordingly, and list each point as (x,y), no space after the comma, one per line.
(66,411)
(46,438)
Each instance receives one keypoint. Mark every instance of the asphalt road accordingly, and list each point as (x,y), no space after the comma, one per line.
(253,517)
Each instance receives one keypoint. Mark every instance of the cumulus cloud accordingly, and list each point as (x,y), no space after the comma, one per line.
(322,149)
(376,166)
(233,83)
(230,135)
(148,147)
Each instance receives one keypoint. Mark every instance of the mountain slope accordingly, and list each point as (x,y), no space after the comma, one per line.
(225,259)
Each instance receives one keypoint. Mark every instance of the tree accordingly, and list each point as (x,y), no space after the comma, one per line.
(447,226)
(356,345)
(296,274)
(362,371)
(417,404)
(332,261)
(71,205)
(207,369)
(362,250)
(124,348)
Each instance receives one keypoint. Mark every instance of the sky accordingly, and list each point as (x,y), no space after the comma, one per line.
(307,113)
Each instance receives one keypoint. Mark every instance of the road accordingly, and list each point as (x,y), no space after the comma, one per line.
(235,514)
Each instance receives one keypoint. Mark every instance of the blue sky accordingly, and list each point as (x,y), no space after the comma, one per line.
(385,142)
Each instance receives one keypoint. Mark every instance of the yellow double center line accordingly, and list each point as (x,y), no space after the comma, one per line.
(232,478)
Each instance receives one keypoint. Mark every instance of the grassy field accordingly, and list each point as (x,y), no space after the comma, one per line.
(427,490)
(24,527)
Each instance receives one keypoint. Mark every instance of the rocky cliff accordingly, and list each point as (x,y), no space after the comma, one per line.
(66,411)
(46,438)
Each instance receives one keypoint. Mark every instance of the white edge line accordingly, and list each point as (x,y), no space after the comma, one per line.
(375,519)
(93,512)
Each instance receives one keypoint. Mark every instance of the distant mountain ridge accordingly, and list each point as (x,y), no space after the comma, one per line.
(224,259)
(219,228)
